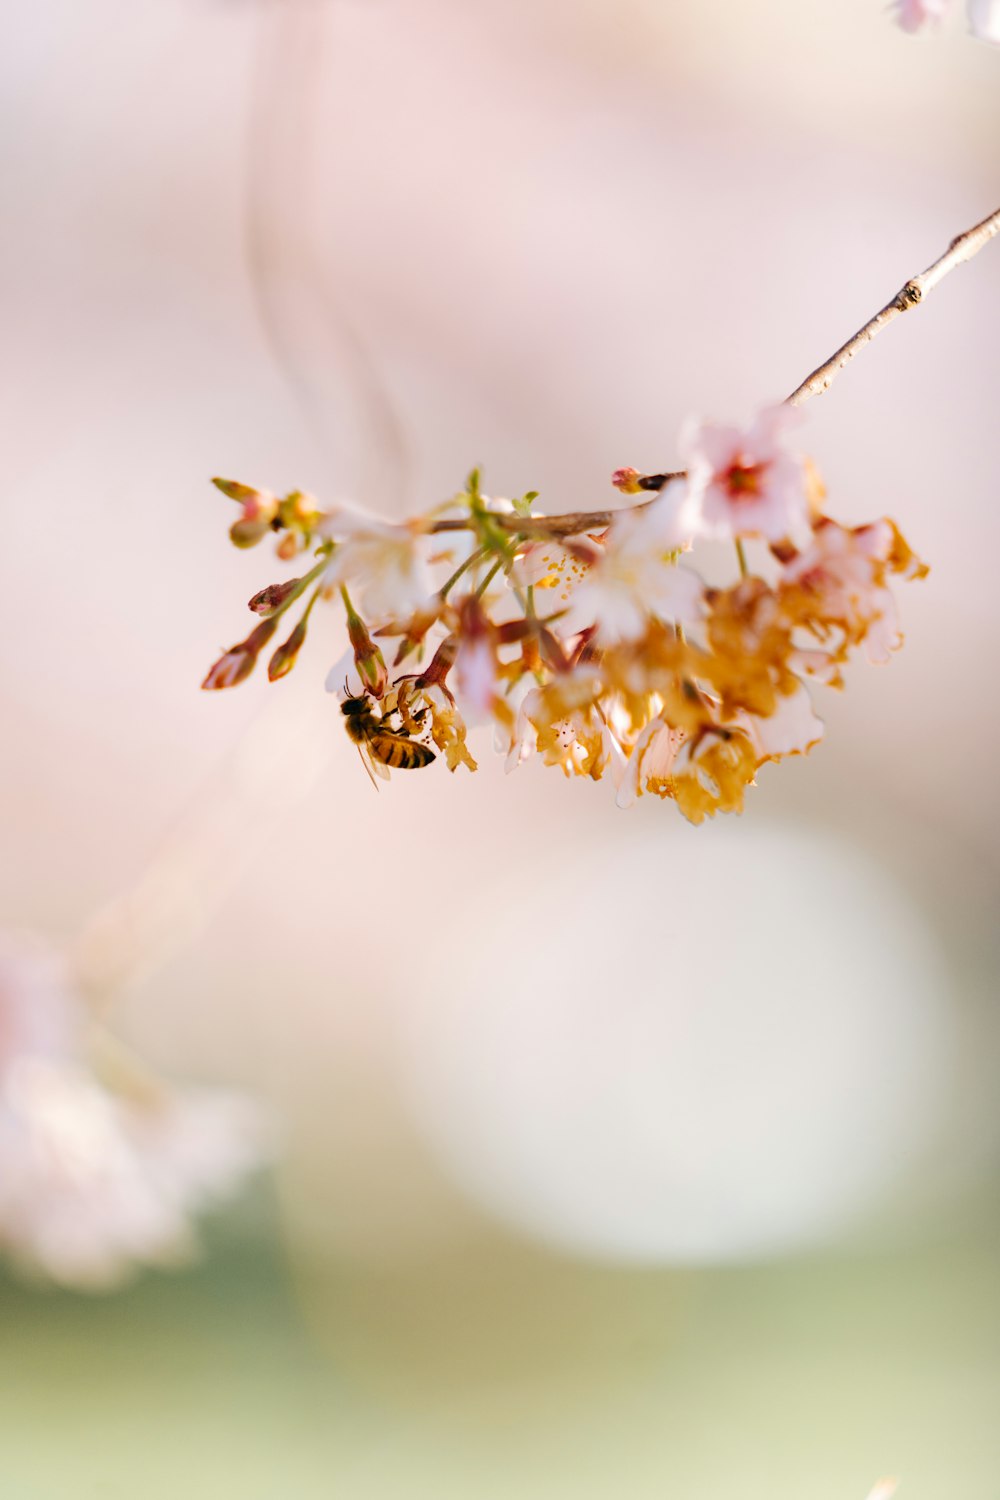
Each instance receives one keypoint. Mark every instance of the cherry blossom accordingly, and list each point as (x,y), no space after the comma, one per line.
(384,560)
(792,729)
(839,585)
(651,762)
(636,574)
(746,481)
(590,640)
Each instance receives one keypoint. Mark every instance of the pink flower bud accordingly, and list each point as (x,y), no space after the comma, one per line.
(627,480)
(283,660)
(239,661)
(274,596)
(367,657)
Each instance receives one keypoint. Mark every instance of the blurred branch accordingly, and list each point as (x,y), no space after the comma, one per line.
(215,839)
(300,306)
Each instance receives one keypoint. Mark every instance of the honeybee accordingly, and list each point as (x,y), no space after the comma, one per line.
(379,747)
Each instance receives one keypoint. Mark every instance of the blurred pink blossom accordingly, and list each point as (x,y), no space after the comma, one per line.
(914,14)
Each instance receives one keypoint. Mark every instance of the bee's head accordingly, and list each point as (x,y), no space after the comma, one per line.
(353,708)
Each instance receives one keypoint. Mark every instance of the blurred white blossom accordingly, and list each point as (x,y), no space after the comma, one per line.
(984,19)
(99,1177)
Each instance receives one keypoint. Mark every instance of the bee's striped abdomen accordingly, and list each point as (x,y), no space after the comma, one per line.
(399,752)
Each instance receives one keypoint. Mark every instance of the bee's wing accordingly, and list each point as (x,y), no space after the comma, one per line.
(369,762)
(377,766)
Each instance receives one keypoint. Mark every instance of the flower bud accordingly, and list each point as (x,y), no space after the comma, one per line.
(259,510)
(284,658)
(271,599)
(367,657)
(627,480)
(244,533)
(239,661)
(241,493)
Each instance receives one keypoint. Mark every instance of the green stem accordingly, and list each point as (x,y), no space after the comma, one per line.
(352,613)
(474,557)
(299,588)
(522,601)
(481,590)
(741,558)
(312,600)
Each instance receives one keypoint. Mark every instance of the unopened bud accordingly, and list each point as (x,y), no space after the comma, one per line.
(259,509)
(627,480)
(368,658)
(274,596)
(236,491)
(244,533)
(239,661)
(283,660)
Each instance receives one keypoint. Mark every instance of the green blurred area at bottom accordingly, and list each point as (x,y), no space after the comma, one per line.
(497,1370)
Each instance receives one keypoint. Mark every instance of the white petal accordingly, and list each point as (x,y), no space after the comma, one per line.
(344,672)
(792,729)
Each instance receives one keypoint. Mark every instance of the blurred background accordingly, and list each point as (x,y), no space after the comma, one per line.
(617,1156)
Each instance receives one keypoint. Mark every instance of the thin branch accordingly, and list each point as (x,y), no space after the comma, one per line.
(571,524)
(961,249)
